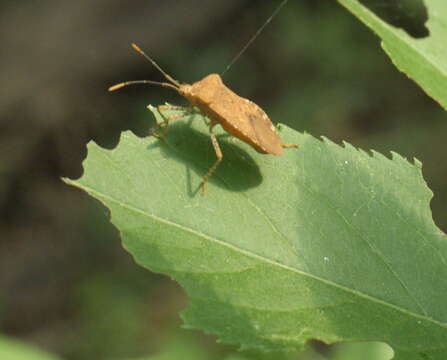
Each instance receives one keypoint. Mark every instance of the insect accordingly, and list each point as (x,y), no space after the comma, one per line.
(238,116)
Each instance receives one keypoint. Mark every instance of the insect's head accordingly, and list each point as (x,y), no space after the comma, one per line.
(192,93)
(173,84)
(186,90)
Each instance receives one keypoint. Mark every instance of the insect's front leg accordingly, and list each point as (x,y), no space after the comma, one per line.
(288,146)
(167,119)
(219,156)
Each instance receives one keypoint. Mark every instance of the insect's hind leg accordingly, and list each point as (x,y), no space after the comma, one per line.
(219,156)
(167,119)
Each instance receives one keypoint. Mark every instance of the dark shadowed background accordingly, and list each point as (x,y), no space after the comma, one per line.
(65,282)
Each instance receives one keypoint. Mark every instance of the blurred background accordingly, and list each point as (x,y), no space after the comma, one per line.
(66,285)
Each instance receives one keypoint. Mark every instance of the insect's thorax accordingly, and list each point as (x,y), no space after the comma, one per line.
(202,92)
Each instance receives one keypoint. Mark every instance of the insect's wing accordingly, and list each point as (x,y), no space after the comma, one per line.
(245,120)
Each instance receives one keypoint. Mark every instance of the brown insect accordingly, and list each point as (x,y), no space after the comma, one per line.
(238,116)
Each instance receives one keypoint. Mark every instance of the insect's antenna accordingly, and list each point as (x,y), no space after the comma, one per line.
(126,83)
(137,48)
(253,38)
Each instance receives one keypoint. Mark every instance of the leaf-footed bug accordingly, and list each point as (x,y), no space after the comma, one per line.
(238,116)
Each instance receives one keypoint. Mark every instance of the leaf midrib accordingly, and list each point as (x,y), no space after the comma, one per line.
(255,256)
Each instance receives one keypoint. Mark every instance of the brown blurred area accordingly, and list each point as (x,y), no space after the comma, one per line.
(314,68)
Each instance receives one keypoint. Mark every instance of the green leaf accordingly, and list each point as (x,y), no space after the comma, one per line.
(324,242)
(11,349)
(364,351)
(424,60)
(181,347)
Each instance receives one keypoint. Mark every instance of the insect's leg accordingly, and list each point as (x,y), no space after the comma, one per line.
(216,163)
(167,119)
(286,146)
(168,106)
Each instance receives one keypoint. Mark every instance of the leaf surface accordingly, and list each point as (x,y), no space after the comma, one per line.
(12,349)
(324,242)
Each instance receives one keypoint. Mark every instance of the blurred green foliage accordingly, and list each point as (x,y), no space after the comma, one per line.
(315,68)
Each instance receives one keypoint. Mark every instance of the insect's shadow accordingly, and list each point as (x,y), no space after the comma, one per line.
(237,172)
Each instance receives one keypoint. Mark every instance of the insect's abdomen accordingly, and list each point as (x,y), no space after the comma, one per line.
(248,122)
